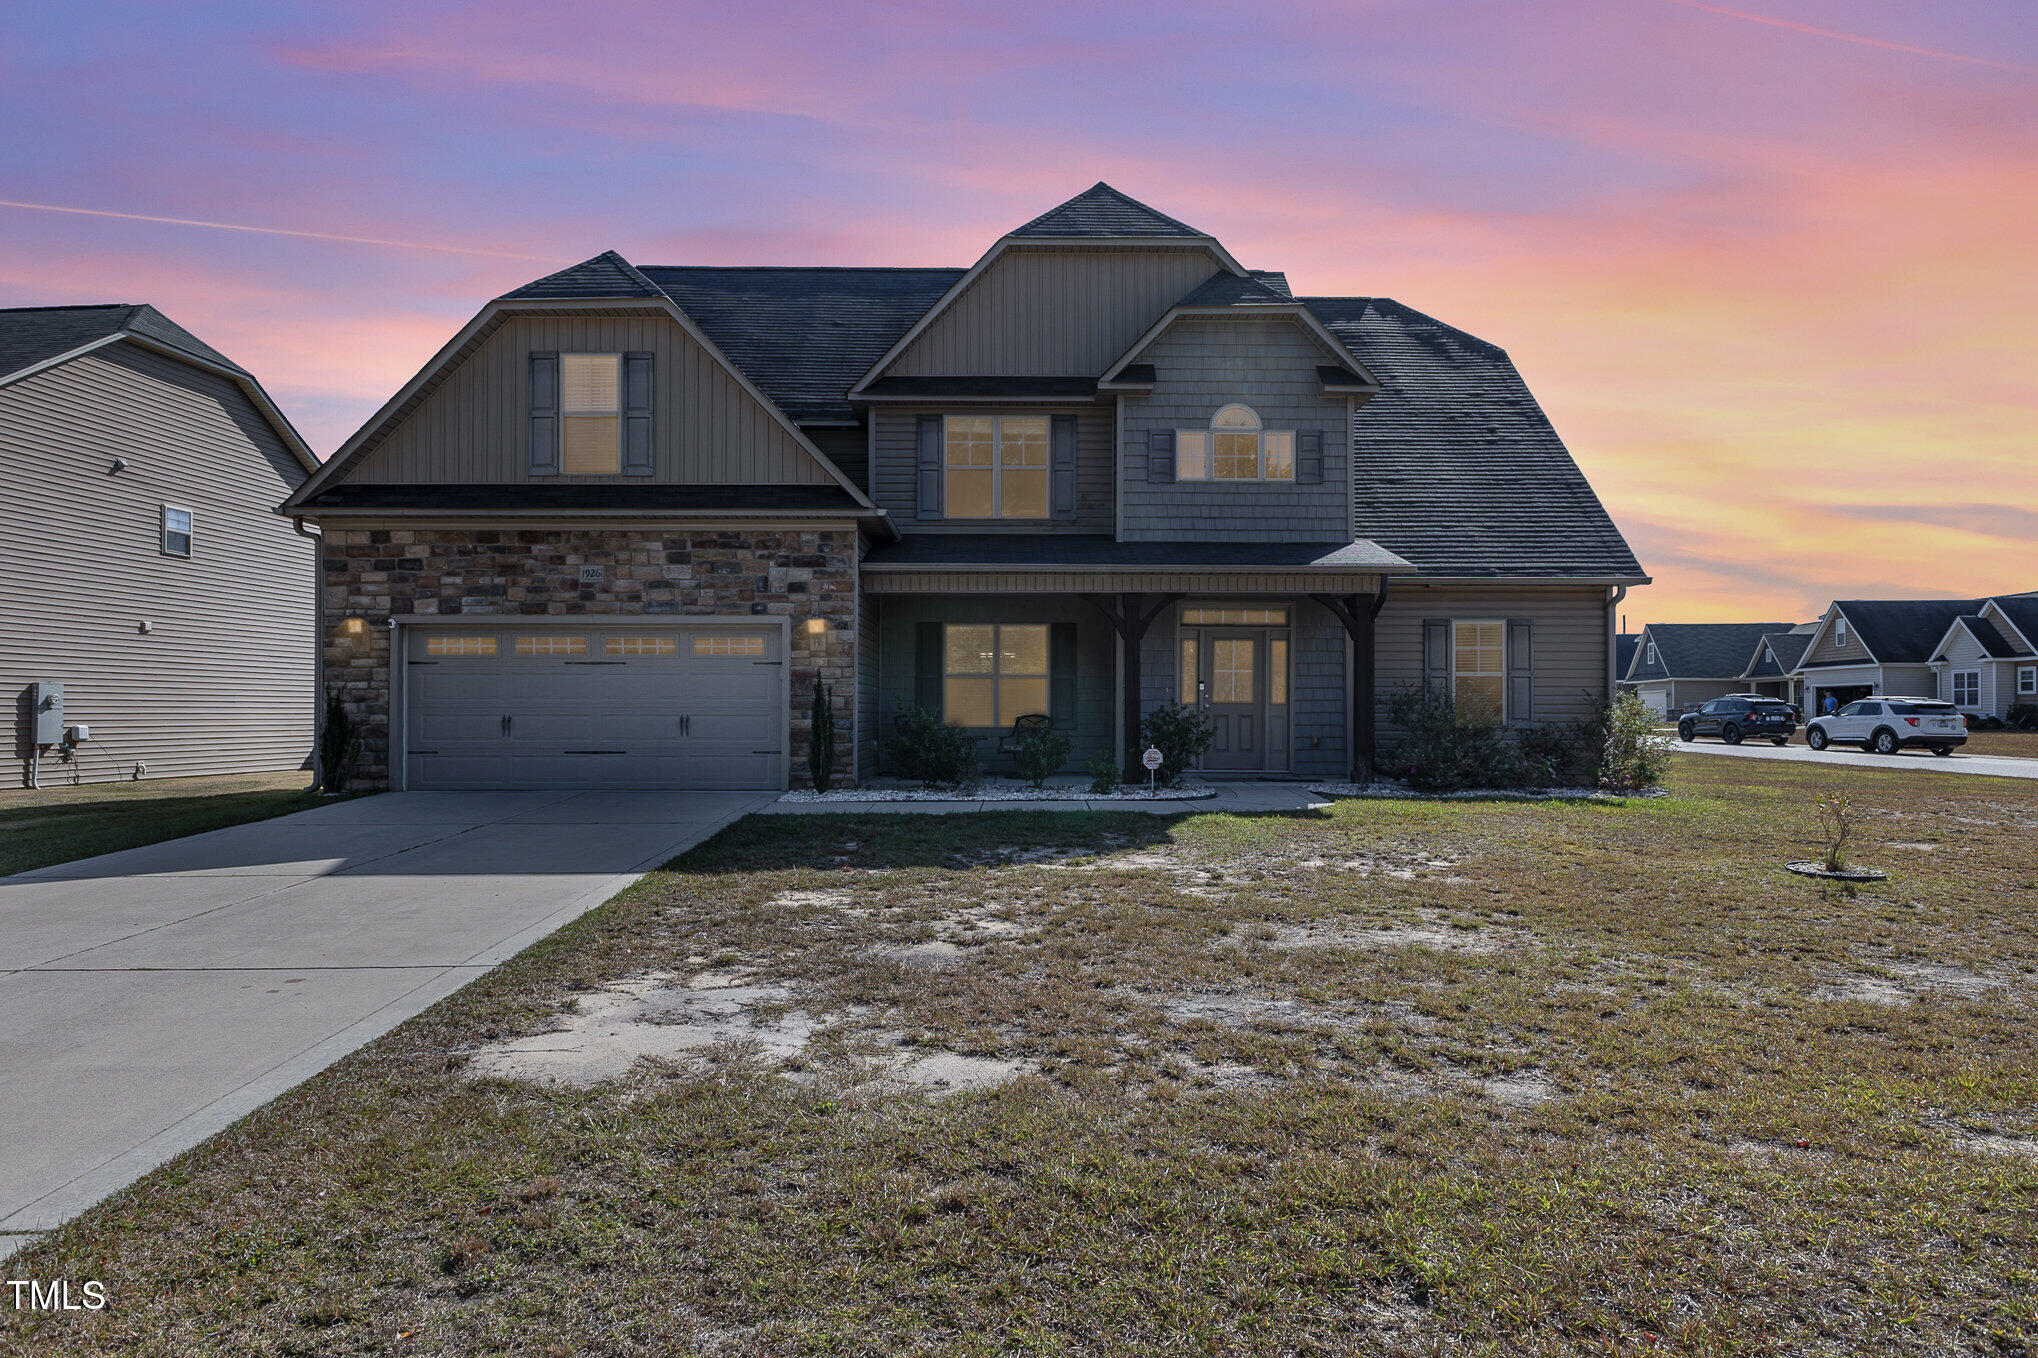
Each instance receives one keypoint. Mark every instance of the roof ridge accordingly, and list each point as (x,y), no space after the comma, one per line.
(1118,198)
(818,268)
(73,306)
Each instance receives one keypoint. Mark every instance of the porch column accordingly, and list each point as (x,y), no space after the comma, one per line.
(1130,617)
(1358,614)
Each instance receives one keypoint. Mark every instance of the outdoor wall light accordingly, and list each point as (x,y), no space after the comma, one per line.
(353,629)
(817,627)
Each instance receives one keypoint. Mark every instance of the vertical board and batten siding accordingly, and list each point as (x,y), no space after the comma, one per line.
(1202,365)
(869,726)
(1570,641)
(223,682)
(1096,663)
(894,489)
(1054,311)
(474,428)
(1825,651)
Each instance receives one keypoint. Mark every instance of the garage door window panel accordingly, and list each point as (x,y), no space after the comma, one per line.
(731,646)
(548,645)
(452,646)
(645,645)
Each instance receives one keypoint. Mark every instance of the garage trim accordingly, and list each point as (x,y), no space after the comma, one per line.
(399,651)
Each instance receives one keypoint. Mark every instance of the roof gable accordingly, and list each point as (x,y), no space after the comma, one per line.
(2020,611)
(1224,295)
(1708,650)
(1993,644)
(1102,211)
(1902,631)
(607,275)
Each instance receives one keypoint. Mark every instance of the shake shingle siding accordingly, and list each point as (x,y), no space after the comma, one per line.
(1455,465)
(1203,365)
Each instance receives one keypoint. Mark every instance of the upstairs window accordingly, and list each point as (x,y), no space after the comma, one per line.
(591,404)
(1234,448)
(1840,631)
(996,466)
(176,535)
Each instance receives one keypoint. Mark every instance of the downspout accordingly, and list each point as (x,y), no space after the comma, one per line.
(1613,643)
(318,650)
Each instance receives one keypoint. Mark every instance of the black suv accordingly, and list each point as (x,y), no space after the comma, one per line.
(1735,718)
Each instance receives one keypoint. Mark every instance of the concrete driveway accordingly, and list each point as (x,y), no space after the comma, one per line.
(149,998)
(1995,766)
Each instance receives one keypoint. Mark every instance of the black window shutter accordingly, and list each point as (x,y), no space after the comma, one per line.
(544,457)
(927,466)
(1160,456)
(1062,461)
(1309,457)
(1061,683)
(637,455)
(927,666)
(1436,657)
(1521,669)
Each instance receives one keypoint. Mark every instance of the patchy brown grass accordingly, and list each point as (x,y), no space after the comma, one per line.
(1404,1078)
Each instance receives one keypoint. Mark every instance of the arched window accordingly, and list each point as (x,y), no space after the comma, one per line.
(1234,448)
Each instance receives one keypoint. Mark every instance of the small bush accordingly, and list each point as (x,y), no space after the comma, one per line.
(1632,757)
(1180,733)
(1039,754)
(1105,777)
(929,749)
(1836,823)
(821,740)
(2024,715)
(339,744)
(1439,753)
(1551,755)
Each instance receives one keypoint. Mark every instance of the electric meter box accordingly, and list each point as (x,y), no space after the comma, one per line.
(47,699)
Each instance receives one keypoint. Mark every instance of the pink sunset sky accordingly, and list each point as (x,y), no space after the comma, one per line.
(1770,268)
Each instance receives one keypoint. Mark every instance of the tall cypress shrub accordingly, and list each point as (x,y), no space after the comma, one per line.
(821,740)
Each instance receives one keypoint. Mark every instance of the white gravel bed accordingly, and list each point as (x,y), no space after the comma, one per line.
(997,792)
(1389,788)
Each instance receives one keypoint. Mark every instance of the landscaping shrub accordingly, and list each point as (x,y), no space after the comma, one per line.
(821,740)
(1105,777)
(2024,715)
(1039,754)
(1552,755)
(1632,757)
(1440,753)
(1836,823)
(339,745)
(929,749)
(1180,733)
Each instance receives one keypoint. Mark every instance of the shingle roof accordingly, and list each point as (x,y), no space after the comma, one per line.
(1071,549)
(1786,649)
(607,275)
(1458,469)
(1037,388)
(1101,210)
(1224,288)
(1707,650)
(1904,631)
(1274,279)
(1993,643)
(32,335)
(804,336)
(1624,644)
(2022,611)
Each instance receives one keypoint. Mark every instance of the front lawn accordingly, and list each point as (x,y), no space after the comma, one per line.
(58,824)
(1404,1078)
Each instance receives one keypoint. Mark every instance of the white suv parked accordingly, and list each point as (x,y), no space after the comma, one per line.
(1886,725)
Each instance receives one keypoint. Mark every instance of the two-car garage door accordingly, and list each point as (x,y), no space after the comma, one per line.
(597,706)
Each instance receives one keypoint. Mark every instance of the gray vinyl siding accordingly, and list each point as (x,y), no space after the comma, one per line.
(1570,630)
(223,682)
(1052,311)
(474,427)
(1965,653)
(1826,652)
(1202,365)
(1096,662)
(893,488)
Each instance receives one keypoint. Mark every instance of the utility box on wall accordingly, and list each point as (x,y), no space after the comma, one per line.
(47,700)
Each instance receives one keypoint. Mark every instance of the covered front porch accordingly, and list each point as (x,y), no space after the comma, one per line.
(1278,661)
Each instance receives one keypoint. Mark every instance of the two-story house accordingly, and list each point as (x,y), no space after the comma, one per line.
(150,599)
(617,529)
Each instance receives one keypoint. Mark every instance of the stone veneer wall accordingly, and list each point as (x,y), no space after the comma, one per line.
(373,573)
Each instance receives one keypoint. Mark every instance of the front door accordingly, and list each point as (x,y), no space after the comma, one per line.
(1234,663)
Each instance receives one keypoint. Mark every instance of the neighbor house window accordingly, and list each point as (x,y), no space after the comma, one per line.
(1840,631)
(992,676)
(1652,653)
(1967,688)
(1479,670)
(1234,448)
(2027,680)
(996,466)
(176,532)
(592,410)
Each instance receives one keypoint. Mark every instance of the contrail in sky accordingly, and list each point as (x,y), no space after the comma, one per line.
(1849,37)
(281,231)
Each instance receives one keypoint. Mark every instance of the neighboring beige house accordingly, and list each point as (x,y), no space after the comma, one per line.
(1986,663)
(145,569)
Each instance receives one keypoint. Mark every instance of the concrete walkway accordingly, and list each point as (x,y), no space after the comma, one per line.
(1236,797)
(1993,766)
(151,997)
